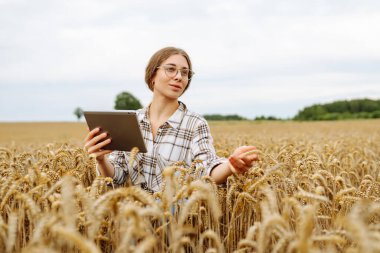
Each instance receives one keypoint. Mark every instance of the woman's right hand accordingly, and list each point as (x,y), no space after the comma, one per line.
(94,143)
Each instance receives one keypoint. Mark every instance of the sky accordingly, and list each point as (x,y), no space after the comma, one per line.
(252,58)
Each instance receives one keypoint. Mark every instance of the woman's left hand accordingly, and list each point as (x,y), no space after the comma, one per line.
(242,159)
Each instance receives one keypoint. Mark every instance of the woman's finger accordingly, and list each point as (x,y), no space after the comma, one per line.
(101,153)
(97,147)
(245,149)
(251,152)
(91,134)
(94,140)
(248,162)
(249,158)
(238,164)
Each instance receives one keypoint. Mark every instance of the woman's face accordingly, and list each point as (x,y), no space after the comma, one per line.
(171,79)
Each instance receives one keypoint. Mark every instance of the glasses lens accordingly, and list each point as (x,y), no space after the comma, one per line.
(184,72)
(172,72)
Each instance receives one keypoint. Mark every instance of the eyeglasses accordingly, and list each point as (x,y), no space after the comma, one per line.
(172,71)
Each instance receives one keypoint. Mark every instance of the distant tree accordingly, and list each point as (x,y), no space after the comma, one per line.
(314,112)
(262,117)
(223,117)
(376,114)
(126,101)
(370,105)
(78,112)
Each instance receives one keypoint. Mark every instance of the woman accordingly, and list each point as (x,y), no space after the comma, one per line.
(171,132)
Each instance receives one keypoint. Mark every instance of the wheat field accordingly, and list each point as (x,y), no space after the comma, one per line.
(315,188)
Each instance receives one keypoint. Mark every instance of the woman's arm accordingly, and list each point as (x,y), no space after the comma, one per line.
(221,172)
(219,169)
(105,168)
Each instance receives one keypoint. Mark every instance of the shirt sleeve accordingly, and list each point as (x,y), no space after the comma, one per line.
(202,148)
(117,159)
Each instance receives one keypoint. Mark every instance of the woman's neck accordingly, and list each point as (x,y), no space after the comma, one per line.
(161,109)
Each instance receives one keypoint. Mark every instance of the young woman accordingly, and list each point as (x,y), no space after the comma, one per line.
(171,132)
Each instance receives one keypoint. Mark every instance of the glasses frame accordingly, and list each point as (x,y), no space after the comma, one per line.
(189,76)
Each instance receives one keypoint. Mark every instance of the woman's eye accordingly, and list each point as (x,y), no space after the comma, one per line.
(170,69)
(185,72)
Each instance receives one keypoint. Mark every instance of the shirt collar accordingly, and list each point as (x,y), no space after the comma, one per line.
(174,120)
(142,114)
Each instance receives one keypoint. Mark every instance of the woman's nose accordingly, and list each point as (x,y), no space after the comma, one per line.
(178,75)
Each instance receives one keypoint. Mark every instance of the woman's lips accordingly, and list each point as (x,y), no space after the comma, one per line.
(176,86)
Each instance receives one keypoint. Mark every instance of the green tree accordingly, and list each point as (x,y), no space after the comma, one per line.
(370,105)
(313,112)
(344,109)
(126,101)
(337,106)
(78,112)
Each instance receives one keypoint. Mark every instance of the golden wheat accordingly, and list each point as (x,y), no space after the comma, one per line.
(316,188)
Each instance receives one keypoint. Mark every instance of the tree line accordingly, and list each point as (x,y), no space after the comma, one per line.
(343,109)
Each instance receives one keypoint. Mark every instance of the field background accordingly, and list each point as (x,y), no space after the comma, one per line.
(234,131)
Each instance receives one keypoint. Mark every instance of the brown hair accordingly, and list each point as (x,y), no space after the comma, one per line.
(157,59)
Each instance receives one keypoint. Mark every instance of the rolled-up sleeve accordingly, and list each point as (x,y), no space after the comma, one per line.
(117,159)
(202,148)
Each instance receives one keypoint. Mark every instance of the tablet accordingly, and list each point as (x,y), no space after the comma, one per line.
(122,126)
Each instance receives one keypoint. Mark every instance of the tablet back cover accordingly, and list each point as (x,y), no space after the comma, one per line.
(122,126)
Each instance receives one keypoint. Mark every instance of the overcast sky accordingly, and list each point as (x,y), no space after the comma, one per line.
(260,57)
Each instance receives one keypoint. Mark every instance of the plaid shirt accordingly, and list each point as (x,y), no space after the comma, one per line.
(184,137)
